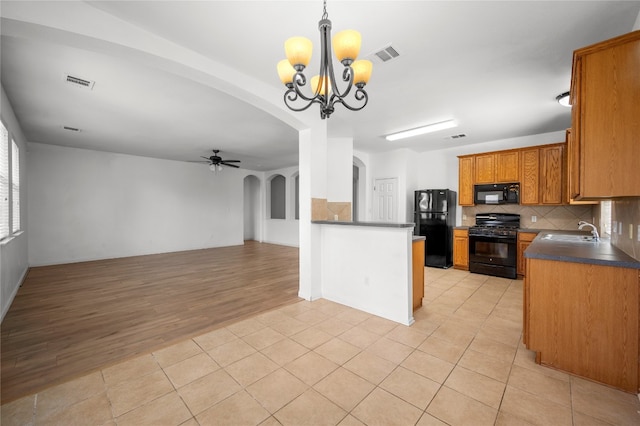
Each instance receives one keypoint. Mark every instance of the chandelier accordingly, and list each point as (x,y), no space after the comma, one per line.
(326,91)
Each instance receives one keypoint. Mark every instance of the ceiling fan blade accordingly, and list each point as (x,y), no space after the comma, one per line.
(231,161)
(198,161)
(230,165)
(205,157)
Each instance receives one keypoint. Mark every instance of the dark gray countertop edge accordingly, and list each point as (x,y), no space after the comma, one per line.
(603,262)
(374,224)
(540,249)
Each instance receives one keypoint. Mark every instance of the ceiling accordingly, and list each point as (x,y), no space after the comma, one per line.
(176,79)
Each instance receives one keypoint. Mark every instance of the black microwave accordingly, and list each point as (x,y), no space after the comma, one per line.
(497,193)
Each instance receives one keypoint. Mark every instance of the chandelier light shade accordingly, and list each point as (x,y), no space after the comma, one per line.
(362,71)
(298,50)
(286,71)
(347,45)
(324,87)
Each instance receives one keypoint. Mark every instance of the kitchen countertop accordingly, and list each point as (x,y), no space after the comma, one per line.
(597,253)
(364,223)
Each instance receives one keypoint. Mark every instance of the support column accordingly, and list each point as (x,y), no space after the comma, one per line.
(313,202)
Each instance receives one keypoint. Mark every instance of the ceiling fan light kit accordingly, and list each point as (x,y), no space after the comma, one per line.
(216,162)
(326,92)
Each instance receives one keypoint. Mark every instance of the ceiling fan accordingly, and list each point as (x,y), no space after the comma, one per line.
(216,162)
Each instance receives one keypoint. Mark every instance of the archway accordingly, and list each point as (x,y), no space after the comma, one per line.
(252,228)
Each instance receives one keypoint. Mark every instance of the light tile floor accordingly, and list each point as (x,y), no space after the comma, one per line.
(316,363)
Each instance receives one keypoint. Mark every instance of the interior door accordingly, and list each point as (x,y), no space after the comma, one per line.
(386,200)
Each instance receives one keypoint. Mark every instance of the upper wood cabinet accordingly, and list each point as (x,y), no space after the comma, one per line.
(605,95)
(497,167)
(542,175)
(541,171)
(507,166)
(466,166)
(530,176)
(551,174)
(485,168)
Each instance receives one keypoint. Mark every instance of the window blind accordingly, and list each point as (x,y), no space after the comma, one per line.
(15,186)
(4,181)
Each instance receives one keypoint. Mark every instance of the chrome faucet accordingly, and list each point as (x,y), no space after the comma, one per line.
(594,230)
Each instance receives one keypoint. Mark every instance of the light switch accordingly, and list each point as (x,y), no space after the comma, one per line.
(638,234)
(619,228)
(534,219)
(631,231)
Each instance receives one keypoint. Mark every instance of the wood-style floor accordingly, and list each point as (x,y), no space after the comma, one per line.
(68,320)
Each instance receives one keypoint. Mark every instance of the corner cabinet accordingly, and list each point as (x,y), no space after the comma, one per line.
(605,98)
(461,249)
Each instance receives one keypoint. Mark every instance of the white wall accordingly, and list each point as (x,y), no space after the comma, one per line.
(282,231)
(369,268)
(13,250)
(340,170)
(439,169)
(86,205)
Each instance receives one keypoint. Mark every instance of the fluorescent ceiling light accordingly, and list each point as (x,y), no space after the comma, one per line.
(422,130)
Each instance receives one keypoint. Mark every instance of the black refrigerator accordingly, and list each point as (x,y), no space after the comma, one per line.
(435,217)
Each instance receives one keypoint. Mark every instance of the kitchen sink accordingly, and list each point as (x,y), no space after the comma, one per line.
(570,238)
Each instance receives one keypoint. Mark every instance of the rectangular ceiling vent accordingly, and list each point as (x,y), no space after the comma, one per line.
(386,54)
(71,129)
(458,136)
(79,81)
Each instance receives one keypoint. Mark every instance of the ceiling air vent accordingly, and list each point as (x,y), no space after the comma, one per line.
(79,81)
(461,135)
(71,129)
(386,54)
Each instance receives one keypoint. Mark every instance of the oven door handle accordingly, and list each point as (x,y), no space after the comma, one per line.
(494,237)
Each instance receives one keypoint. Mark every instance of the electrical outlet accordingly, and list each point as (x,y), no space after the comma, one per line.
(638,234)
(534,219)
(631,231)
(464,217)
(614,227)
(619,228)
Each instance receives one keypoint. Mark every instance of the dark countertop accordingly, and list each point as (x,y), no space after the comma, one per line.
(597,253)
(464,228)
(358,223)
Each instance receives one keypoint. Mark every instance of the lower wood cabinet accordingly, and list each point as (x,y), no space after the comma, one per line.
(524,239)
(461,249)
(418,272)
(583,319)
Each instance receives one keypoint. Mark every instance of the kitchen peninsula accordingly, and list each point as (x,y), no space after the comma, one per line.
(368,266)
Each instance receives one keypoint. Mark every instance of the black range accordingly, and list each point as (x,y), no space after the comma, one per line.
(493,244)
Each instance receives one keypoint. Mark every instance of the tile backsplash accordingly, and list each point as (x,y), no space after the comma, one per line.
(626,211)
(547,217)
